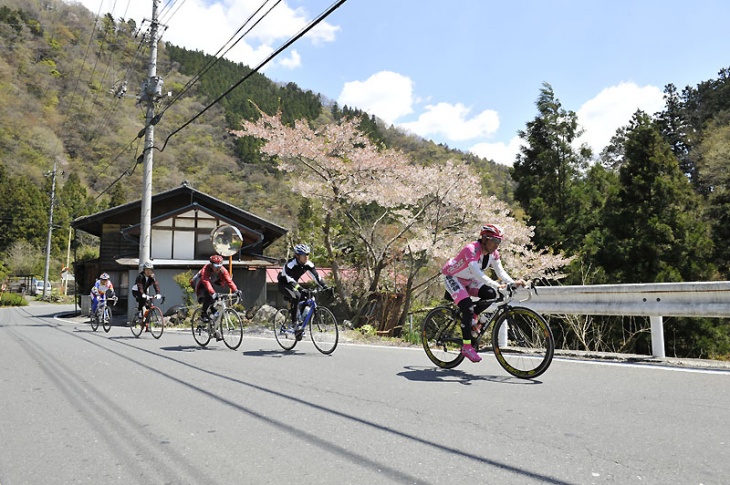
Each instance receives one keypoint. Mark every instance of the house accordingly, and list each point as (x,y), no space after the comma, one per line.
(180,241)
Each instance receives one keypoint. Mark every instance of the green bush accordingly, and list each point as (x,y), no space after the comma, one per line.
(183,281)
(368,330)
(13,299)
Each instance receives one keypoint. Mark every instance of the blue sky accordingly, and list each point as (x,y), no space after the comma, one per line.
(467,73)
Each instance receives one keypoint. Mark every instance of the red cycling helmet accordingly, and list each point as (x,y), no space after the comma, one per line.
(216,259)
(491,230)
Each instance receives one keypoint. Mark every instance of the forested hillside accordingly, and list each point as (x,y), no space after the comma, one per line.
(62,73)
(653,207)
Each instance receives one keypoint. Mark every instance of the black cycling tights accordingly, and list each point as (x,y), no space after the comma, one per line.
(466,306)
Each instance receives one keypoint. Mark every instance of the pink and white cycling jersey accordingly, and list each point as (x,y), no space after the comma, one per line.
(469,265)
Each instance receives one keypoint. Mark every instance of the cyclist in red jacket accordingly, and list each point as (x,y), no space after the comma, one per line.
(213,273)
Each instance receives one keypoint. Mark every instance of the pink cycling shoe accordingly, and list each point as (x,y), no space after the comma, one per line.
(470,353)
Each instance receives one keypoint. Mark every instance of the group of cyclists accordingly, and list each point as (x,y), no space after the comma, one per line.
(463,276)
(213,274)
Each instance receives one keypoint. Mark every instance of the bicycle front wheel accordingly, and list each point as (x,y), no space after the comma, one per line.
(95,321)
(523,342)
(201,330)
(231,328)
(137,326)
(107,319)
(283,329)
(323,330)
(156,322)
(441,337)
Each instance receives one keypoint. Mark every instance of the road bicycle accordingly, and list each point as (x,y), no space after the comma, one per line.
(151,319)
(321,322)
(224,323)
(521,339)
(103,314)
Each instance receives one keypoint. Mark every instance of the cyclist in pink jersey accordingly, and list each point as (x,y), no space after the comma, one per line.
(464,277)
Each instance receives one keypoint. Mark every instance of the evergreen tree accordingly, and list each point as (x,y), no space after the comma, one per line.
(24,209)
(546,167)
(714,150)
(655,232)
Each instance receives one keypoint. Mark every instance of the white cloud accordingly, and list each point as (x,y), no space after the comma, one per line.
(387,95)
(612,108)
(452,121)
(207,25)
(293,61)
(500,152)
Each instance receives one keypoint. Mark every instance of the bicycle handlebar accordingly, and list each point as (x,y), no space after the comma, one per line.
(314,291)
(232,298)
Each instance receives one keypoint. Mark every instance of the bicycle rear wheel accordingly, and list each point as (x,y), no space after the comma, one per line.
(323,330)
(95,321)
(137,326)
(201,330)
(283,329)
(107,319)
(523,342)
(441,337)
(231,326)
(156,322)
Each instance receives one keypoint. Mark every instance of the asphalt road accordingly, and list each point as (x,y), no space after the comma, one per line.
(88,407)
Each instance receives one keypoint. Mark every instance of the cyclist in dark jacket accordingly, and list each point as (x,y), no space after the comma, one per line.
(288,279)
(142,284)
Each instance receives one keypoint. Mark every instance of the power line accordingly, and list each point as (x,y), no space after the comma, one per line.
(218,56)
(278,51)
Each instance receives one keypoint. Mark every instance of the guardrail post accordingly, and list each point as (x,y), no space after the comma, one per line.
(657,336)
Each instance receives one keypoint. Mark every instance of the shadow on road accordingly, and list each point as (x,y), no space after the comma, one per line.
(430,374)
(185,348)
(273,353)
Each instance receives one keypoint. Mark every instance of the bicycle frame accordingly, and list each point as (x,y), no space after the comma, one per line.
(144,322)
(219,307)
(102,304)
(102,315)
(149,305)
(319,319)
(504,304)
(227,324)
(311,301)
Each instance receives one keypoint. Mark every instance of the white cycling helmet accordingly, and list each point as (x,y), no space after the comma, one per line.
(148,264)
(301,249)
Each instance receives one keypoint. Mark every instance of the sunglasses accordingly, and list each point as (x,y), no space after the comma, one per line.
(495,240)
(217,265)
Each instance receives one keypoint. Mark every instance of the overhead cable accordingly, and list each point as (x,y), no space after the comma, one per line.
(278,51)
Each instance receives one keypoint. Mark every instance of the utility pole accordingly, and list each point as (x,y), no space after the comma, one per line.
(50,228)
(151,92)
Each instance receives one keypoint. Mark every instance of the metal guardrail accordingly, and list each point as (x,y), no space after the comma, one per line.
(654,300)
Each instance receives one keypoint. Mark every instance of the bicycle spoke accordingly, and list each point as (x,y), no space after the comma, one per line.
(137,326)
(323,330)
(107,319)
(156,322)
(523,343)
(441,337)
(232,328)
(201,330)
(283,329)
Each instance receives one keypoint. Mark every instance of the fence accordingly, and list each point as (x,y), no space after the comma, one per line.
(654,300)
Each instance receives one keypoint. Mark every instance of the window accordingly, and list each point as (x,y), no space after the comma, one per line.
(184,236)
